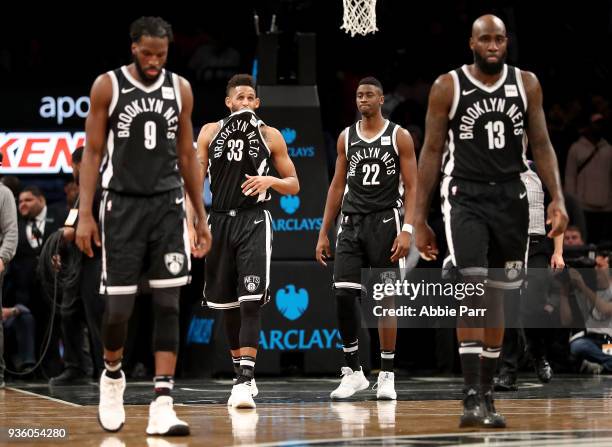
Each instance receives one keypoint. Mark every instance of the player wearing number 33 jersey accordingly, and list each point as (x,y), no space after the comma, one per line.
(236,153)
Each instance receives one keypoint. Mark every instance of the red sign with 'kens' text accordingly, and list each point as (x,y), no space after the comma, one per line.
(38,152)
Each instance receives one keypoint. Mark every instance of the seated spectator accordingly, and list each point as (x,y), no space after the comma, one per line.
(573,237)
(593,345)
(19,327)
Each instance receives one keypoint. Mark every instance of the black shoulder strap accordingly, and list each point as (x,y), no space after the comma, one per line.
(588,159)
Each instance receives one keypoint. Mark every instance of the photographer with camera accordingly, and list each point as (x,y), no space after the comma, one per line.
(593,345)
(583,288)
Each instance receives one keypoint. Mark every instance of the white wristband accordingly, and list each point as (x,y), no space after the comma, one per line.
(407,228)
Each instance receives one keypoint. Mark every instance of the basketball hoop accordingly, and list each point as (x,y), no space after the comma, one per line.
(359,17)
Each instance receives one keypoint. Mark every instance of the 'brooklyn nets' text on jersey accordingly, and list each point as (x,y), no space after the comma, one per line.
(486,132)
(238,149)
(373,180)
(142,129)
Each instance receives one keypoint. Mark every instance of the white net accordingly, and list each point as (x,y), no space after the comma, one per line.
(359,17)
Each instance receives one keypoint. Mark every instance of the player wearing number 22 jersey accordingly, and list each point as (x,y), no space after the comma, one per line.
(374,187)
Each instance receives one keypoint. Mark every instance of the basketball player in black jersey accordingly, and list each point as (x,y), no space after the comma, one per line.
(485,113)
(141,116)
(236,153)
(374,186)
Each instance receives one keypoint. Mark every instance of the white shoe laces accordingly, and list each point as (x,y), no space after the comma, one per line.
(165,408)
(112,393)
(347,375)
(383,380)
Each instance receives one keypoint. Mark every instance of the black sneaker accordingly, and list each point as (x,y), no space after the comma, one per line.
(505,382)
(70,376)
(543,370)
(472,410)
(492,419)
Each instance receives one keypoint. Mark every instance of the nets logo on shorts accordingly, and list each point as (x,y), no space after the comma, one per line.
(251,283)
(388,277)
(174,262)
(513,269)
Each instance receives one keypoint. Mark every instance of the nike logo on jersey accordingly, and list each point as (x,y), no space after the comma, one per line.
(258,221)
(387,220)
(179,200)
(127,90)
(522,196)
(355,142)
(467,92)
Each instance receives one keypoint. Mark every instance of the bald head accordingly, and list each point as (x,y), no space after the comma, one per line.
(488,24)
(489,43)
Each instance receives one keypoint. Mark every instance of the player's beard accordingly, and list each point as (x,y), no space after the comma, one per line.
(488,67)
(146,78)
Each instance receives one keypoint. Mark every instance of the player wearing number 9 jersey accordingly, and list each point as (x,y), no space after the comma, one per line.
(374,186)
(236,153)
(140,122)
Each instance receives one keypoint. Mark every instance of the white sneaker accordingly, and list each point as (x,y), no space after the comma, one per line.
(254,389)
(241,397)
(352,381)
(111,414)
(385,387)
(163,420)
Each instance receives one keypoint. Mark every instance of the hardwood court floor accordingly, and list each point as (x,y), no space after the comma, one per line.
(570,411)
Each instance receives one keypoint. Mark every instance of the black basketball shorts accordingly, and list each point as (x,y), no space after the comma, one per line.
(238,264)
(487,227)
(364,241)
(143,235)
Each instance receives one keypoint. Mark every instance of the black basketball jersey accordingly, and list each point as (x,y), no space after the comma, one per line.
(373,180)
(238,149)
(141,154)
(486,132)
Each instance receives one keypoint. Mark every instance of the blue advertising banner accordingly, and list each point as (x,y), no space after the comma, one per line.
(298,326)
(294,110)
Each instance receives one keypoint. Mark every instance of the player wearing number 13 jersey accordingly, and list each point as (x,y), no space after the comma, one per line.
(478,121)
(236,153)
(374,186)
